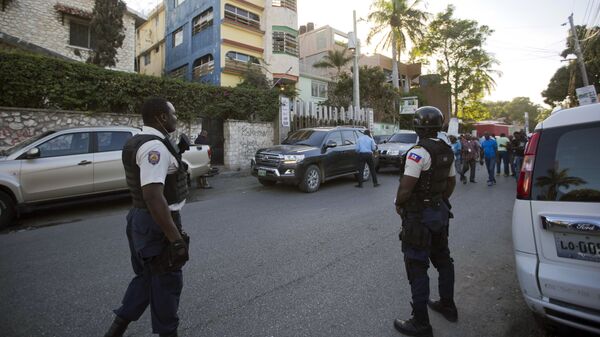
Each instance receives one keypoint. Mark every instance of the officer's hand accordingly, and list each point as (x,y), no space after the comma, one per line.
(399,210)
(179,250)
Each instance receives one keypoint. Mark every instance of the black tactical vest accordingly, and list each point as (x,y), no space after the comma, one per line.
(176,187)
(433,182)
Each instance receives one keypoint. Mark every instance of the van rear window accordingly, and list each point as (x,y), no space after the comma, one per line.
(567,164)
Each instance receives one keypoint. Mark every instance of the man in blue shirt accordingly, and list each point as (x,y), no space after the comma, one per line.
(490,149)
(365,145)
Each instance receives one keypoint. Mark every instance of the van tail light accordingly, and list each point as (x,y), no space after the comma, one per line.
(526,174)
(209,153)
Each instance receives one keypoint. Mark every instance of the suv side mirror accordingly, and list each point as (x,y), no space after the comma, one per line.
(330,143)
(32,153)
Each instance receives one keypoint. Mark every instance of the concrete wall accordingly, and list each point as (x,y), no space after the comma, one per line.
(242,139)
(18,124)
(37,22)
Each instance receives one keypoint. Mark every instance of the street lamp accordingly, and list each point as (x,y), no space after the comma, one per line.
(354,46)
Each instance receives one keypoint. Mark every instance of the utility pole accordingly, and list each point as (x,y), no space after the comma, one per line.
(578,52)
(356,70)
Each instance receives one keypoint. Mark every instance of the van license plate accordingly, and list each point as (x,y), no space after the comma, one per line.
(262,173)
(579,247)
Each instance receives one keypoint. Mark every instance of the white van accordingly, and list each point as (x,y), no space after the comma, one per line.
(556,219)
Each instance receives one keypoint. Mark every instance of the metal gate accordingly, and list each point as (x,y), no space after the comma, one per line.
(216,140)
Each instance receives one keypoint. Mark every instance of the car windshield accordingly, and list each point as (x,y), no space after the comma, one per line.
(305,137)
(24,143)
(408,138)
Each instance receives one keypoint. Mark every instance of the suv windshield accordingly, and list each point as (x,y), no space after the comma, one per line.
(305,137)
(408,138)
(24,143)
(566,165)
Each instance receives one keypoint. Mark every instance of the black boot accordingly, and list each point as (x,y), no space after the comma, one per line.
(418,325)
(446,308)
(172,334)
(118,327)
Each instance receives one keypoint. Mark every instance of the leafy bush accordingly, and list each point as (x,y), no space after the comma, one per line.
(34,81)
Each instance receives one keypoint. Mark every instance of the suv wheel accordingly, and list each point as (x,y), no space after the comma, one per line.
(265,182)
(311,180)
(8,211)
(366,173)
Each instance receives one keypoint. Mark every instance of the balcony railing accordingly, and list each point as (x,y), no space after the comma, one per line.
(239,67)
(203,69)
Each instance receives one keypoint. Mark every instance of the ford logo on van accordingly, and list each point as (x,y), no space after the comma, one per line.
(585,227)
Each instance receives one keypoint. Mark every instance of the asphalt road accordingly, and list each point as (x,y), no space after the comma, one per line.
(266,262)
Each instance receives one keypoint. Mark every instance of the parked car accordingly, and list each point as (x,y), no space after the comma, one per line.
(309,157)
(69,163)
(556,219)
(392,150)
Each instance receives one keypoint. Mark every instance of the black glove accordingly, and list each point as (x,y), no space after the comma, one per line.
(178,251)
(184,143)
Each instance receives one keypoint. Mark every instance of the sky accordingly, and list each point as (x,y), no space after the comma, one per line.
(527,40)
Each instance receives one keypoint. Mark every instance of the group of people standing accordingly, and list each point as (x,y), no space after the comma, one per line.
(495,151)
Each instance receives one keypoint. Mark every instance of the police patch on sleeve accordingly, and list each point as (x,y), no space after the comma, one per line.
(153,157)
(414,157)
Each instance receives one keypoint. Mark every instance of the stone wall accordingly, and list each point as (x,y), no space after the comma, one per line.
(37,22)
(242,139)
(18,124)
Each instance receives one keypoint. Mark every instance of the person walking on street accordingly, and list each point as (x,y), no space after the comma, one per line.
(470,154)
(456,149)
(502,154)
(518,149)
(365,145)
(157,181)
(202,139)
(428,179)
(490,149)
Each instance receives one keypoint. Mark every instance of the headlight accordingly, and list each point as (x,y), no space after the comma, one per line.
(393,152)
(292,159)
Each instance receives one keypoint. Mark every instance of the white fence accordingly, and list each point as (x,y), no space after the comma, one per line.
(310,114)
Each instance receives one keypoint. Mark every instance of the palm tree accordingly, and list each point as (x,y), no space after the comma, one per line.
(556,179)
(334,59)
(398,22)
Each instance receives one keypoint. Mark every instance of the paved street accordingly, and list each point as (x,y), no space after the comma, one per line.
(267,262)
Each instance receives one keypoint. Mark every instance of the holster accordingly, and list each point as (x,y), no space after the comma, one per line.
(413,233)
(168,260)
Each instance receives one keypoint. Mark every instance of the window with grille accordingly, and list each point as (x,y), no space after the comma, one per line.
(289,4)
(80,35)
(202,21)
(319,89)
(147,59)
(235,56)
(203,66)
(179,72)
(284,42)
(178,37)
(241,16)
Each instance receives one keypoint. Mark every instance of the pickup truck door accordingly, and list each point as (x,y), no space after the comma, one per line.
(109,174)
(64,168)
(333,157)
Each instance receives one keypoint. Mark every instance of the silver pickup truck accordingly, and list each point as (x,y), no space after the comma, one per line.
(71,163)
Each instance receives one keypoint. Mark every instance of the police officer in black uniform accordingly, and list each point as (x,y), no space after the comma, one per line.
(427,182)
(157,180)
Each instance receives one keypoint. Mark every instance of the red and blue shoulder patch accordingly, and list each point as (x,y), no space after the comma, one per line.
(414,157)
(153,157)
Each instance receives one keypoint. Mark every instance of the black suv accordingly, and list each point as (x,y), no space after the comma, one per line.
(308,157)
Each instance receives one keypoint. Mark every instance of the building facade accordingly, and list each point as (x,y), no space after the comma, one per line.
(150,43)
(216,41)
(61,29)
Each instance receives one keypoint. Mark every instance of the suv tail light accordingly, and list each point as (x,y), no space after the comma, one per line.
(209,153)
(526,174)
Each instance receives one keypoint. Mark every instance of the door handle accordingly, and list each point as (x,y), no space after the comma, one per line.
(84,162)
(579,225)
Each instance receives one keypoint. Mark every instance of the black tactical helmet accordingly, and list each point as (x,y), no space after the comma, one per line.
(429,118)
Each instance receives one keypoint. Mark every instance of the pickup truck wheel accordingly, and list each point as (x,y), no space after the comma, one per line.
(312,180)
(265,182)
(8,211)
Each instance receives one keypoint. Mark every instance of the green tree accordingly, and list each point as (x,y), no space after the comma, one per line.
(335,59)
(398,22)
(375,92)
(555,180)
(562,85)
(514,111)
(458,47)
(108,31)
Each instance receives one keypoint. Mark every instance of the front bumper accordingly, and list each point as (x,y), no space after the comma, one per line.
(289,174)
(389,160)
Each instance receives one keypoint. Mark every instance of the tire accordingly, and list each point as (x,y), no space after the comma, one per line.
(265,182)
(312,180)
(366,174)
(8,211)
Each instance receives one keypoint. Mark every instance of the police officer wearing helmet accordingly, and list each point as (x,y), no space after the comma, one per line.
(157,180)
(427,182)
